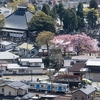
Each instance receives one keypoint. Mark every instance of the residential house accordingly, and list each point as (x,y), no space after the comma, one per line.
(14,90)
(5,45)
(14,68)
(94,69)
(26,50)
(82,58)
(84,93)
(8,56)
(68,63)
(36,65)
(5,11)
(78,69)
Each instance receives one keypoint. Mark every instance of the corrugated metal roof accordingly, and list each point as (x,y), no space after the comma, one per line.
(93,62)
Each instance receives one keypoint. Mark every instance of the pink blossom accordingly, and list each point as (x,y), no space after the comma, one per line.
(77,42)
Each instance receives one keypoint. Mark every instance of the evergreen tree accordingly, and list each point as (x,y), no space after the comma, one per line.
(42,22)
(46,9)
(66,20)
(93,4)
(70,20)
(92,17)
(80,16)
(61,11)
(54,12)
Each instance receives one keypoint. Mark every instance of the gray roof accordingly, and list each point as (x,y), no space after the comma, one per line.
(17,98)
(16,85)
(19,19)
(88,89)
(27,96)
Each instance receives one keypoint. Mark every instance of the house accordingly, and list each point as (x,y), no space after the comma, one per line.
(5,45)
(94,69)
(84,93)
(14,68)
(36,65)
(82,58)
(14,90)
(78,69)
(5,11)
(8,56)
(26,49)
(68,63)
(63,71)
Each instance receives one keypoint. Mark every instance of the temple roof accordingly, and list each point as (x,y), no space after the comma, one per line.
(19,19)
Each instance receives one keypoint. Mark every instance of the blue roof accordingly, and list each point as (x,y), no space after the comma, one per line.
(18,19)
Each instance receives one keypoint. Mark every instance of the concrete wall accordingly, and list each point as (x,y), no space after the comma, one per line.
(8,89)
(79,95)
(1,90)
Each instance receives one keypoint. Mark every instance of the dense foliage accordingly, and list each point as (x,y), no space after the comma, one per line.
(42,22)
(76,43)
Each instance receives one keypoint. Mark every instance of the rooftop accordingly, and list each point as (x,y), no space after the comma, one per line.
(22,16)
(83,57)
(77,67)
(30,59)
(26,46)
(7,55)
(93,62)
(88,89)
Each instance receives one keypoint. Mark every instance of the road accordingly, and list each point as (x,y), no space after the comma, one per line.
(26,77)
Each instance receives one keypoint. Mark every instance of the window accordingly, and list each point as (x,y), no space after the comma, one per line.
(41,85)
(9,93)
(36,64)
(2,90)
(75,97)
(82,98)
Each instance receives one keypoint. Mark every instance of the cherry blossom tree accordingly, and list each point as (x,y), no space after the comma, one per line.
(76,43)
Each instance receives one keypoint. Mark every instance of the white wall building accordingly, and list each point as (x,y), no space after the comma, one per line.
(26,66)
(94,69)
(5,45)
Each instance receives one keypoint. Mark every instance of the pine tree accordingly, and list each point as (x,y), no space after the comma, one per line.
(46,9)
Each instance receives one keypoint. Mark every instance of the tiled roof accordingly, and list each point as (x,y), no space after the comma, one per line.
(76,67)
(18,19)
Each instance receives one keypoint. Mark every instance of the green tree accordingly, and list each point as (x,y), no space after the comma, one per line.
(54,12)
(13,5)
(70,20)
(44,38)
(42,22)
(80,16)
(61,11)
(93,4)
(92,17)
(46,9)
(2,20)
(31,7)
